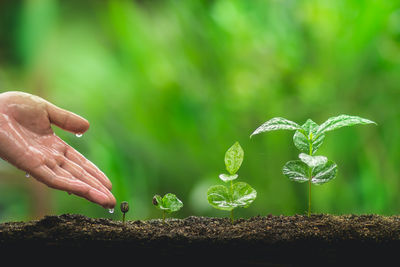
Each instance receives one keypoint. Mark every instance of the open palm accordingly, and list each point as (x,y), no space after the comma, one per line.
(28,142)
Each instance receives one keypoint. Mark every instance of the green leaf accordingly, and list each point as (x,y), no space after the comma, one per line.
(226,177)
(169,203)
(222,198)
(276,124)
(341,121)
(172,203)
(324,173)
(219,197)
(243,194)
(234,158)
(296,170)
(313,161)
(302,139)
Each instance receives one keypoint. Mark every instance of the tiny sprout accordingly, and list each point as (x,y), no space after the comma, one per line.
(124,209)
(167,204)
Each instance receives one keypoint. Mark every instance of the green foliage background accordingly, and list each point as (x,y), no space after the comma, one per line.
(170,85)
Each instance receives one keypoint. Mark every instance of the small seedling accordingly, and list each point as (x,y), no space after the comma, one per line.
(124,209)
(308,138)
(168,204)
(238,194)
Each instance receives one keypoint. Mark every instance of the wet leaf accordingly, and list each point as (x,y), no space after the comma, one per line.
(243,194)
(341,121)
(313,161)
(324,173)
(302,139)
(276,124)
(226,177)
(234,158)
(221,197)
(169,203)
(296,170)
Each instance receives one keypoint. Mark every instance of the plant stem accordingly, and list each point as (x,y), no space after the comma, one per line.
(123,218)
(231,192)
(309,181)
(309,193)
(163,216)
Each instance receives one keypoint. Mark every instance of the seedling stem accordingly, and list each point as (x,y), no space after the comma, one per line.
(309,183)
(232,200)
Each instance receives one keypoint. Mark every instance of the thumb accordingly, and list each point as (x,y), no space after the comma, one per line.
(66,120)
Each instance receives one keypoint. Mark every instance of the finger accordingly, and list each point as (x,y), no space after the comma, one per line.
(67,120)
(47,176)
(63,172)
(80,160)
(81,174)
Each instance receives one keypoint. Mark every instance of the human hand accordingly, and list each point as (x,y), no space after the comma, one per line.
(28,142)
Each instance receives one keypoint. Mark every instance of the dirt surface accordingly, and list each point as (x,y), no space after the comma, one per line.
(259,241)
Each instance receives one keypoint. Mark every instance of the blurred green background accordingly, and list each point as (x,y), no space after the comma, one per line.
(168,86)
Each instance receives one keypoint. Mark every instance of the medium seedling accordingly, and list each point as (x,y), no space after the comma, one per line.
(238,194)
(167,204)
(308,138)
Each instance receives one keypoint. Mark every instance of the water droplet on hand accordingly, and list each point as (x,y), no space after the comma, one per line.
(27,175)
(78,135)
(111,210)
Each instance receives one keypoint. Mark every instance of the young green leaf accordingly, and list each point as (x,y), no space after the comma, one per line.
(219,197)
(324,173)
(226,177)
(303,138)
(169,203)
(172,203)
(241,195)
(313,161)
(296,170)
(234,158)
(276,124)
(341,121)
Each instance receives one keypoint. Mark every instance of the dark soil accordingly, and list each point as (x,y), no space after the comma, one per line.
(260,241)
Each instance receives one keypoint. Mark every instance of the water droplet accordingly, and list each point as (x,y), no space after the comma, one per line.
(78,135)
(111,210)
(27,175)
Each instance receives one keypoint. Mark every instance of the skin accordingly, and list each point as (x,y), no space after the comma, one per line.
(28,142)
